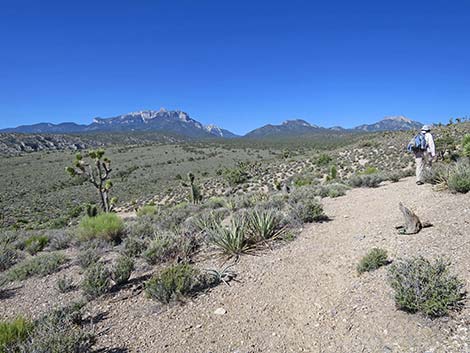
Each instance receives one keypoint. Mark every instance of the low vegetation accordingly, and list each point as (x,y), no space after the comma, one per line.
(374,259)
(96,281)
(424,286)
(39,265)
(106,226)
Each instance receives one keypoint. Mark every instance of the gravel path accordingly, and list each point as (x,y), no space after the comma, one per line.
(307,296)
(304,296)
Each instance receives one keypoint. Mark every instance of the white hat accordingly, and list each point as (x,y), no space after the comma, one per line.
(426,128)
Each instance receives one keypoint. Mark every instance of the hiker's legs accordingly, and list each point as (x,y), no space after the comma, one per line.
(419,157)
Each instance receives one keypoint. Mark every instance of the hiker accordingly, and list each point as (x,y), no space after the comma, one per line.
(422,145)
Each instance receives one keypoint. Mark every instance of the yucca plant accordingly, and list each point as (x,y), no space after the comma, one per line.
(232,240)
(223,275)
(263,224)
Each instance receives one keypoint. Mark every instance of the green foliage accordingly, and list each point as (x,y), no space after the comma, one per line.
(308,211)
(39,265)
(122,270)
(373,260)
(13,332)
(237,175)
(369,171)
(147,210)
(106,226)
(194,191)
(424,286)
(263,224)
(88,257)
(58,332)
(96,280)
(466,145)
(365,180)
(91,210)
(65,284)
(36,243)
(232,240)
(323,160)
(8,257)
(164,246)
(459,177)
(333,172)
(96,169)
(172,283)
(301,181)
(133,247)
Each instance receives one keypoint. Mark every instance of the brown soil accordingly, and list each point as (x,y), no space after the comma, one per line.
(306,295)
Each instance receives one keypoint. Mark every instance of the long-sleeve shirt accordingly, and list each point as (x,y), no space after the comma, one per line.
(431,149)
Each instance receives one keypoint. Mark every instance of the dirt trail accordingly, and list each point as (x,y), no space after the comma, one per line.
(306,295)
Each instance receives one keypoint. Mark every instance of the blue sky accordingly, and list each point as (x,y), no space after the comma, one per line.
(239,64)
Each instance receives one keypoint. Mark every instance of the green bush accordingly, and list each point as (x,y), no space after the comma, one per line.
(309,211)
(323,160)
(147,210)
(369,171)
(122,270)
(88,257)
(39,265)
(164,246)
(459,177)
(96,281)
(466,145)
(231,240)
(373,260)
(133,246)
(65,284)
(13,332)
(58,332)
(106,226)
(424,286)
(172,283)
(8,257)
(36,243)
(365,180)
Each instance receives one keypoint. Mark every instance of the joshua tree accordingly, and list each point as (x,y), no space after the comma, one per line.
(96,170)
(194,193)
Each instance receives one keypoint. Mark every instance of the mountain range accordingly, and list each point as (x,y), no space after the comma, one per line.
(180,123)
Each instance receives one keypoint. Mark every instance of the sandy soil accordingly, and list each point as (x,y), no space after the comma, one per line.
(306,295)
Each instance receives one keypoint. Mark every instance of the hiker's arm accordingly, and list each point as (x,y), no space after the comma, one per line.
(432,146)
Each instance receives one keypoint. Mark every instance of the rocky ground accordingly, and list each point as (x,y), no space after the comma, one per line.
(304,296)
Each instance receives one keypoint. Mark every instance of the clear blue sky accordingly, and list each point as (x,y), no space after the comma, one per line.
(239,64)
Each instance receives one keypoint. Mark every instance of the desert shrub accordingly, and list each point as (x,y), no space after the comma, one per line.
(215,202)
(13,332)
(466,145)
(122,270)
(438,174)
(59,240)
(88,257)
(300,181)
(424,286)
(133,246)
(323,159)
(147,210)
(58,331)
(263,224)
(174,217)
(106,226)
(365,180)
(373,260)
(65,284)
(232,239)
(96,280)
(143,227)
(237,175)
(8,257)
(164,246)
(206,221)
(335,190)
(36,243)
(172,283)
(459,177)
(308,211)
(39,265)
(369,170)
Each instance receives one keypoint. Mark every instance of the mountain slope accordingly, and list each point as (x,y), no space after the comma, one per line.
(175,122)
(286,129)
(391,123)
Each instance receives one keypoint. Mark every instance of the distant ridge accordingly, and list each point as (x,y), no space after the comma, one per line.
(391,123)
(170,121)
(180,123)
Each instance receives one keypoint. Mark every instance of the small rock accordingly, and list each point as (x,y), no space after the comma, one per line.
(220,311)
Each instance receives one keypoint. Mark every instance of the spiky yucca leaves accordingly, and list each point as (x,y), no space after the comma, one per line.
(207,221)
(263,224)
(223,275)
(232,240)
